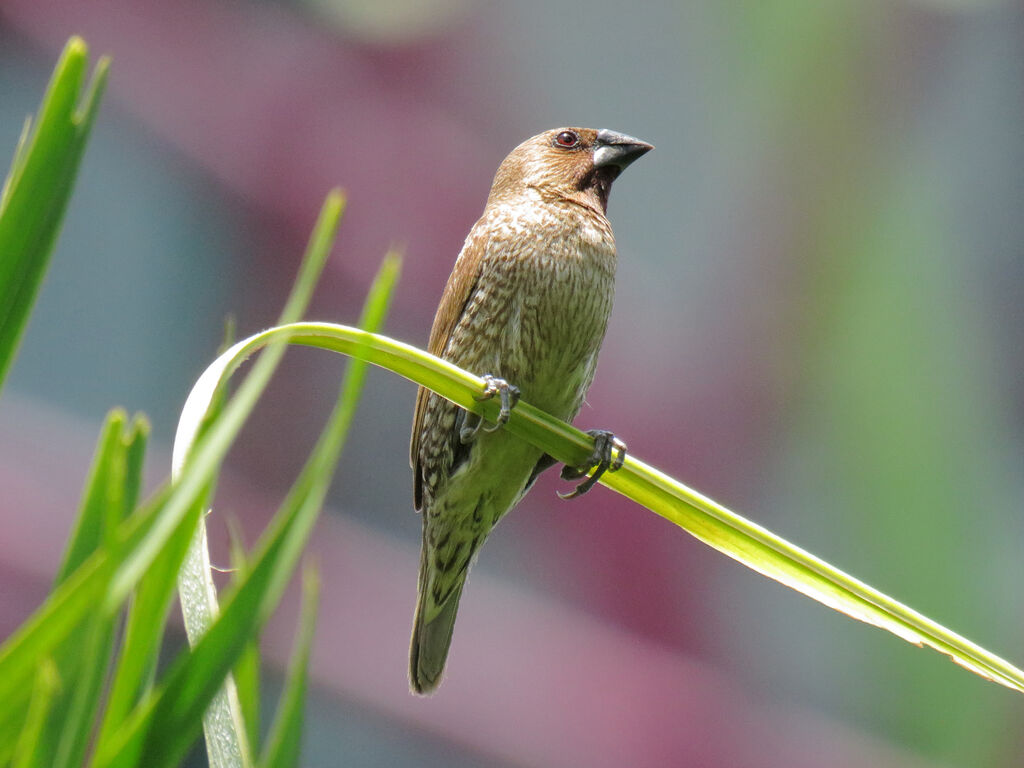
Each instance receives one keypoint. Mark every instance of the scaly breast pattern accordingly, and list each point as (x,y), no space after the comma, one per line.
(541,306)
(536,318)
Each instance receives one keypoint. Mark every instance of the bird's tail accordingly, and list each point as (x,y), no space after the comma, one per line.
(440,587)
(430,641)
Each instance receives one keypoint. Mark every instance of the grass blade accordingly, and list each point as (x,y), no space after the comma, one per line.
(206,454)
(195,459)
(66,608)
(111,490)
(31,741)
(285,740)
(161,730)
(83,658)
(164,726)
(297,515)
(38,187)
(145,623)
(710,522)
(307,494)
(71,727)
(67,629)
(247,670)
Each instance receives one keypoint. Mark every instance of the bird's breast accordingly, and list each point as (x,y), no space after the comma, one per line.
(556,314)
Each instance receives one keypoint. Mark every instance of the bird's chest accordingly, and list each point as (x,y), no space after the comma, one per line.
(555,319)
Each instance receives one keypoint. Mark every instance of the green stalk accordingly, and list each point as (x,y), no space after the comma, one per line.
(710,522)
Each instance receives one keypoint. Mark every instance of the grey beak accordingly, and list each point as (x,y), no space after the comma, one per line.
(617,149)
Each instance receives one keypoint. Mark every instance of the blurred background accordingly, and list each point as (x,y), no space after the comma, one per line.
(818,322)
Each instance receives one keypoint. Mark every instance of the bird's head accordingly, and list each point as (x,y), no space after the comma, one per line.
(573,164)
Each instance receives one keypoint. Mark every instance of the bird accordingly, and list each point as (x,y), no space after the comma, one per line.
(526,307)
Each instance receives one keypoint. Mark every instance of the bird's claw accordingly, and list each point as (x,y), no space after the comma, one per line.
(508,395)
(608,456)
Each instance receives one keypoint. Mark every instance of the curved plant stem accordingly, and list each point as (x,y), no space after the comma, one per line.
(710,522)
(225,733)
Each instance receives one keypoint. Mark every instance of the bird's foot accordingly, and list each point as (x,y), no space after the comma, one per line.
(508,395)
(608,456)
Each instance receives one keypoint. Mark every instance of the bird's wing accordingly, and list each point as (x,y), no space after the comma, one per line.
(457,294)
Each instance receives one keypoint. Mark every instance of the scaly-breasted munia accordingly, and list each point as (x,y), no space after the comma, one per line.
(526,305)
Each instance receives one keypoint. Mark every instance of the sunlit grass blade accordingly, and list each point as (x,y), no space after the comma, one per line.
(64,610)
(285,739)
(299,510)
(205,458)
(11,726)
(246,674)
(38,186)
(161,730)
(69,729)
(146,620)
(165,725)
(147,615)
(773,556)
(708,521)
(111,490)
(20,152)
(308,491)
(91,520)
(81,595)
(247,671)
(31,742)
(196,458)
(83,657)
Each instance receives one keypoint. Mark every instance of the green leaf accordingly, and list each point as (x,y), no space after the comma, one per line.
(70,727)
(708,521)
(310,488)
(83,657)
(83,596)
(38,186)
(67,628)
(247,670)
(107,468)
(196,459)
(67,607)
(203,461)
(146,621)
(111,490)
(31,741)
(162,729)
(161,529)
(290,527)
(285,740)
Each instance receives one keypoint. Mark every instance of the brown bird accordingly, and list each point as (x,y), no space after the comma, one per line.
(526,306)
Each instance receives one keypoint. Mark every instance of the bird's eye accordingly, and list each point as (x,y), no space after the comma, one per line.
(567,139)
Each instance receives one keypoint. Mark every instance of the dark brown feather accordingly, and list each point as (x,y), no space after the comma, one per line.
(457,293)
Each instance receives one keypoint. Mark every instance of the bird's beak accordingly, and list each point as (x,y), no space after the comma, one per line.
(617,150)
